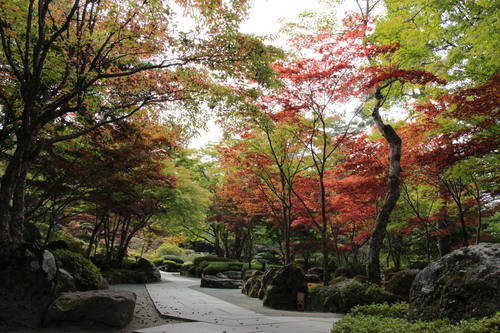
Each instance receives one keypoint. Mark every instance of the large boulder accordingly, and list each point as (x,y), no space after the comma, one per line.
(220,281)
(152,273)
(327,298)
(282,288)
(463,284)
(252,284)
(65,282)
(27,275)
(95,308)
(400,283)
(235,275)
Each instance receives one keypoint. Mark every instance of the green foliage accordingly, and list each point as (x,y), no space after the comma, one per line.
(172,266)
(396,310)
(86,275)
(174,258)
(168,249)
(384,318)
(74,244)
(219,267)
(452,38)
(199,260)
(337,279)
(357,293)
(157,261)
(350,270)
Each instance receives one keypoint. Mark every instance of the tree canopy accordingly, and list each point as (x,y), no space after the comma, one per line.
(377,135)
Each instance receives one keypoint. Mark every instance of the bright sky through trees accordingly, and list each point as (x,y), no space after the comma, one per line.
(263,21)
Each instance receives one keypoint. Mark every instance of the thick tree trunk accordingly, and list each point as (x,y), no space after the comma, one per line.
(391,198)
(12,190)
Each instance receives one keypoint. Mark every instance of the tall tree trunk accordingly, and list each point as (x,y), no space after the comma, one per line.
(391,198)
(443,238)
(12,189)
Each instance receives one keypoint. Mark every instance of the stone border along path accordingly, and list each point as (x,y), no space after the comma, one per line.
(177,297)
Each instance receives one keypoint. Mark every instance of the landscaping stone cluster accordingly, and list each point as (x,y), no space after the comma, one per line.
(227,280)
(34,292)
(28,275)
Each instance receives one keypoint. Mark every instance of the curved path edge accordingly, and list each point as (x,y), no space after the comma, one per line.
(177,297)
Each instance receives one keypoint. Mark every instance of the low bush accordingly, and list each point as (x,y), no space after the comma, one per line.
(199,260)
(350,270)
(169,249)
(220,267)
(395,310)
(358,293)
(86,275)
(157,261)
(173,258)
(191,272)
(384,318)
(171,266)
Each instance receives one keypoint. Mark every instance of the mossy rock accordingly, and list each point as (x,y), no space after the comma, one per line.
(86,275)
(462,285)
(281,289)
(93,308)
(400,283)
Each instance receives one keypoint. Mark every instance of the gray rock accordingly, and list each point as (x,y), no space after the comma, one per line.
(152,273)
(219,281)
(253,287)
(28,275)
(235,275)
(282,286)
(251,273)
(327,298)
(463,284)
(93,308)
(401,282)
(65,281)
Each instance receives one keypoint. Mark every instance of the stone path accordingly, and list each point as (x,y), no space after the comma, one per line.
(178,297)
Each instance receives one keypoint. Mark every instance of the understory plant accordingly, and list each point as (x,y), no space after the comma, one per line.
(390,318)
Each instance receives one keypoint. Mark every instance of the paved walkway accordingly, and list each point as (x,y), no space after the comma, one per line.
(181,298)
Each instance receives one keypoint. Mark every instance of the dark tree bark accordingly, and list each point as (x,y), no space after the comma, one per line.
(392,196)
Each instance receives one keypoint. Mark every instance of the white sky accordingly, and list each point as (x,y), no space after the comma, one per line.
(263,21)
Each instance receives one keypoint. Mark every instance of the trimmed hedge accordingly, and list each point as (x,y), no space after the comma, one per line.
(198,260)
(384,318)
(173,258)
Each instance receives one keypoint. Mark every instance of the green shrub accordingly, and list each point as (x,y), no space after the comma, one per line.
(86,275)
(157,261)
(337,279)
(384,318)
(357,293)
(350,270)
(199,260)
(172,266)
(396,310)
(166,249)
(191,272)
(173,258)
